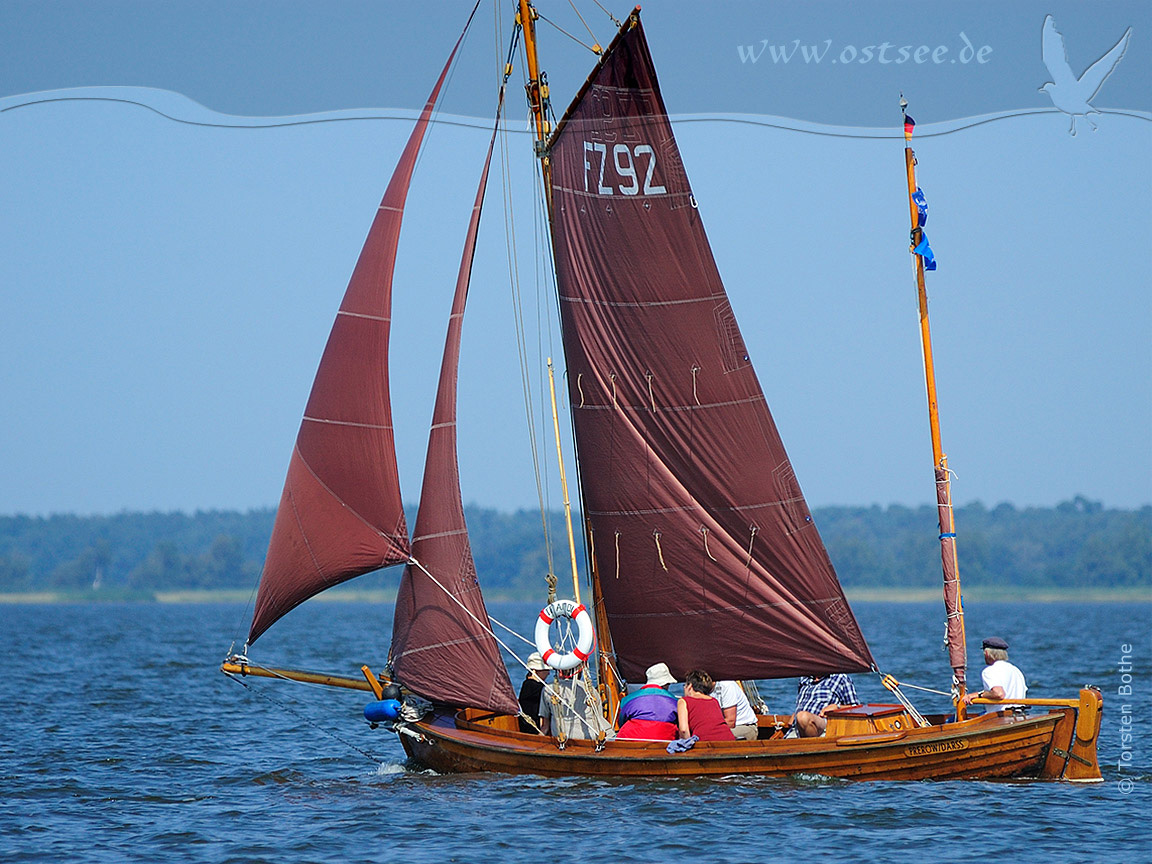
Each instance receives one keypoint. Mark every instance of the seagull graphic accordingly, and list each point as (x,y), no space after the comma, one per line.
(1069,93)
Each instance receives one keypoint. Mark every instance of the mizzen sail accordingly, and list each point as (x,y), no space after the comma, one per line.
(441,644)
(340,513)
(707,553)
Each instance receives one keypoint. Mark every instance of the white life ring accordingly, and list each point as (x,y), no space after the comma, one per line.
(585,641)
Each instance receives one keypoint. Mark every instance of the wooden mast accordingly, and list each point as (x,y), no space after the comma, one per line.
(537,90)
(564,484)
(953,604)
(610,685)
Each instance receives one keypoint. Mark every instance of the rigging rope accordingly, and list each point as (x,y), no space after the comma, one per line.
(298,715)
(754,697)
(487,629)
(595,42)
(751,541)
(893,685)
(512,252)
(659,551)
(575,39)
(567,699)
(704,531)
(925,689)
(614,19)
(433,116)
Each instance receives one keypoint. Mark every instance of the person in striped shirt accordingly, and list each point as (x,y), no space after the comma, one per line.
(816,695)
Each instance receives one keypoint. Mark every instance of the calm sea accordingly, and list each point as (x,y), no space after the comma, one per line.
(120,741)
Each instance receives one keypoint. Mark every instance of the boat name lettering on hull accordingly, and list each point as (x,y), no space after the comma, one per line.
(936,747)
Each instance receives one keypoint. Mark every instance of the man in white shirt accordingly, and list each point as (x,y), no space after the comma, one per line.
(1001,679)
(738,713)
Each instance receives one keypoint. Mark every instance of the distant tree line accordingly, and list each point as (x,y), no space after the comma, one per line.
(1078,543)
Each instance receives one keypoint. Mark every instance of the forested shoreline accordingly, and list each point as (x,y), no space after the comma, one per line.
(1078,544)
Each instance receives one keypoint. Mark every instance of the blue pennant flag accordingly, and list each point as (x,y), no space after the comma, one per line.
(925,252)
(921,205)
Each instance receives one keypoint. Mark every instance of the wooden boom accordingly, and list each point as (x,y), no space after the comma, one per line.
(243,669)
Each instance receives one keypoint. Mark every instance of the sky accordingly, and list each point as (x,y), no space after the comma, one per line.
(187,187)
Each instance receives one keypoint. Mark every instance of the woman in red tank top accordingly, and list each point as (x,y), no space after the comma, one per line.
(697,713)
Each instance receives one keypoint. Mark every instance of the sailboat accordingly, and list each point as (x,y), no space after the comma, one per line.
(701,551)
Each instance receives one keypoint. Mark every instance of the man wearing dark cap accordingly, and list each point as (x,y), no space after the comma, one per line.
(1001,679)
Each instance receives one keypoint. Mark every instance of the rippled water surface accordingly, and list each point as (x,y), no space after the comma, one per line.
(119,741)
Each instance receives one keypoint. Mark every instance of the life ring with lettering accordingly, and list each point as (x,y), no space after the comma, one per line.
(585,639)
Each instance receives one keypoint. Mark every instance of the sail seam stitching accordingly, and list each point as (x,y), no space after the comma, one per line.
(346,423)
(410,651)
(440,534)
(391,538)
(580,193)
(751,400)
(381,318)
(675,613)
(635,304)
(733,508)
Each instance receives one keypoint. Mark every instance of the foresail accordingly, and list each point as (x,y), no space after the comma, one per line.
(706,550)
(441,644)
(340,513)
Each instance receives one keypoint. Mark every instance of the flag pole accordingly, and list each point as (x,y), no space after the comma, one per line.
(953,602)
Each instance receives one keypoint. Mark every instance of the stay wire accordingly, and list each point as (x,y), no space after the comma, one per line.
(611,17)
(485,627)
(595,41)
(437,109)
(521,339)
(376,760)
(924,689)
(575,39)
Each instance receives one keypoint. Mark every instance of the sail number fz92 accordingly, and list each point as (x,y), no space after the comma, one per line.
(622,168)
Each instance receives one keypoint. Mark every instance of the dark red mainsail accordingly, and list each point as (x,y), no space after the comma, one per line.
(441,644)
(340,513)
(707,553)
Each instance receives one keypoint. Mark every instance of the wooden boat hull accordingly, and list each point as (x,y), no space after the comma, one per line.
(988,746)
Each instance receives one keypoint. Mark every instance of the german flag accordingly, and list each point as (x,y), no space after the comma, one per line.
(909,125)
